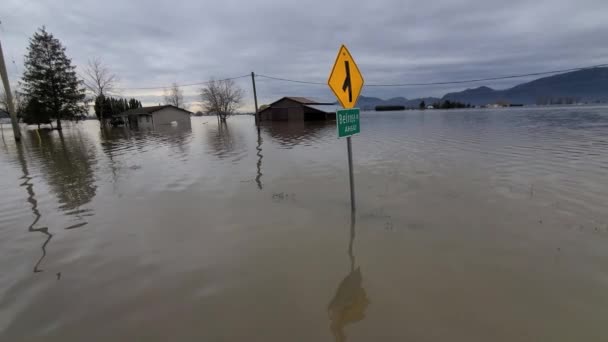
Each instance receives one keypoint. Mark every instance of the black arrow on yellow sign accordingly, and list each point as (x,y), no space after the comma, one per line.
(346,84)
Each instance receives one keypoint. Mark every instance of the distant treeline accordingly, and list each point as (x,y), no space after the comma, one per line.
(447,104)
(567,100)
(107,106)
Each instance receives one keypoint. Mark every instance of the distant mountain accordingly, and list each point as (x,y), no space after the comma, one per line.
(588,85)
(583,86)
(397,101)
(369,103)
(415,103)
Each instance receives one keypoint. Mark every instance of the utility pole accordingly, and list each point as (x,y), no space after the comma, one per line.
(255,99)
(9,97)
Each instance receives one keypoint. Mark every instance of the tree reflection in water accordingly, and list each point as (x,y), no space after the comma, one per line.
(224,142)
(67,167)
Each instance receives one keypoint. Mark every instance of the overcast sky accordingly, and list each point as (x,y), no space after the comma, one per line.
(154,43)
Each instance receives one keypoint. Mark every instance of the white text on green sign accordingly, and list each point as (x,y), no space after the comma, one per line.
(348,122)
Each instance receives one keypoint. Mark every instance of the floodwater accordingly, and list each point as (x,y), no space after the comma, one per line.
(479,225)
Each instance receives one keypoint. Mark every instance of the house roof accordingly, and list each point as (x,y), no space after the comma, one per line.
(300,100)
(323,107)
(149,110)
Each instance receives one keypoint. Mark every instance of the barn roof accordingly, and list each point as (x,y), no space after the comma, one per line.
(149,110)
(302,100)
(325,108)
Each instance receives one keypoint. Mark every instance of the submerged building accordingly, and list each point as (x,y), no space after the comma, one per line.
(298,109)
(154,116)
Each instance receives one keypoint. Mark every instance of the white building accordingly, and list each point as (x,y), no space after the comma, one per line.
(155,116)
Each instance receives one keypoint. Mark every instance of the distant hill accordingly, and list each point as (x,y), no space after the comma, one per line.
(369,103)
(589,85)
(415,103)
(583,86)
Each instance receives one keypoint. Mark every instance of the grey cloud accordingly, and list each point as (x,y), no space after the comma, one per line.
(155,43)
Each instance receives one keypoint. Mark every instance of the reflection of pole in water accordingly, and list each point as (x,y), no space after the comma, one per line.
(350,301)
(351,254)
(258,178)
(29,187)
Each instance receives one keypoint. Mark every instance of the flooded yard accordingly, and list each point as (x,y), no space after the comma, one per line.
(471,225)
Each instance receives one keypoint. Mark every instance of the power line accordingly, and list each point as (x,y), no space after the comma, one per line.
(185,85)
(487,79)
(288,80)
(446,82)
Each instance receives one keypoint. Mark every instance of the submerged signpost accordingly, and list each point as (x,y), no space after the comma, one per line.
(346,82)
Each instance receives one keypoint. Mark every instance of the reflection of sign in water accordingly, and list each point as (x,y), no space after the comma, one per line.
(345,79)
(348,305)
(347,122)
(350,301)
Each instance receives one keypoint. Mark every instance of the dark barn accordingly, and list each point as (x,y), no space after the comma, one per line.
(298,109)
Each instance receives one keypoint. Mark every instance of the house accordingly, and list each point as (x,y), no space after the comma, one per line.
(154,116)
(298,109)
(5,117)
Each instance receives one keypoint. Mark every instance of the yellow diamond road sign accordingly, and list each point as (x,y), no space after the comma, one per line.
(345,79)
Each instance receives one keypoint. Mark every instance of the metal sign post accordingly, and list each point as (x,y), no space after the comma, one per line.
(347,123)
(349,147)
(346,82)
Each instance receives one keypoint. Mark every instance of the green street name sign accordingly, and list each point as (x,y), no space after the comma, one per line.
(348,122)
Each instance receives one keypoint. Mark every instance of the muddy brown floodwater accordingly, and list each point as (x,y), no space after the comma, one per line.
(479,225)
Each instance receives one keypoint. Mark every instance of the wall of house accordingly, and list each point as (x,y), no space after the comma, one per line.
(266,114)
(144,121)
(167,115)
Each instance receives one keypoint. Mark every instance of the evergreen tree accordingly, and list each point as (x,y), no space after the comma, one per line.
(132,103)
(113,106)
(34,113)
(422,105)
(49,81)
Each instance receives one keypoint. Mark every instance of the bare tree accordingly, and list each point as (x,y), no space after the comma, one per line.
(99,80)
(174,96)
(222,98)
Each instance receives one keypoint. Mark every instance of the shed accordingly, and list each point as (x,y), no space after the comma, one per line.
(298,109)
(150,117)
